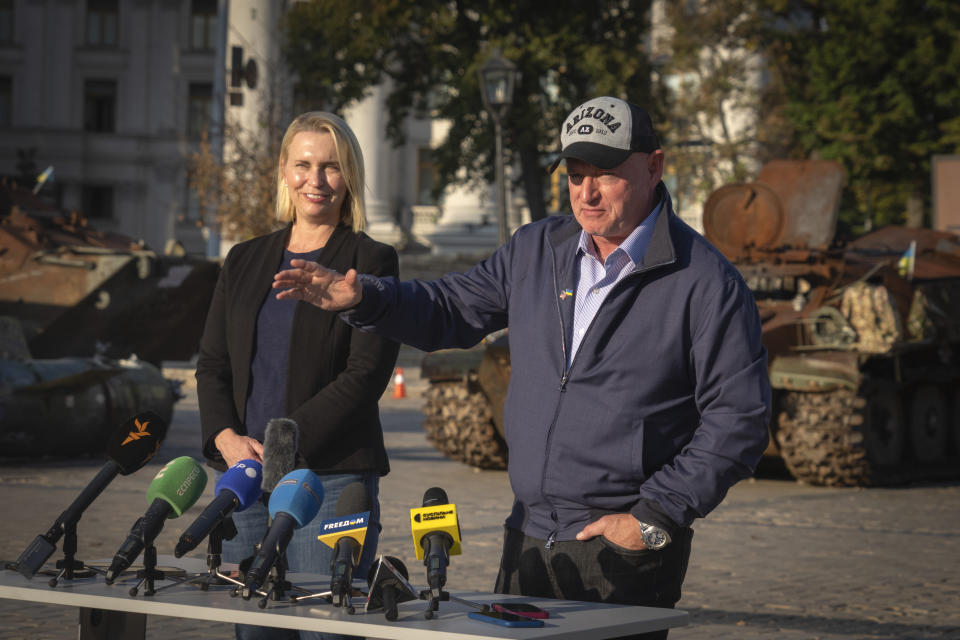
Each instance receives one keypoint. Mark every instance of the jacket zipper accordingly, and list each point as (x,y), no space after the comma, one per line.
(564,377)
(563,384)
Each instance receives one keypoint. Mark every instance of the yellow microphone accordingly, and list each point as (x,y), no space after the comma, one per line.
(436,535)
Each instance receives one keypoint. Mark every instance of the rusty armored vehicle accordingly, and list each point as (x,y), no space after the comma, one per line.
(86,318)
(863,339)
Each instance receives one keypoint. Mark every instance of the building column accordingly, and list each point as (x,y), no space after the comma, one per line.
(368,120)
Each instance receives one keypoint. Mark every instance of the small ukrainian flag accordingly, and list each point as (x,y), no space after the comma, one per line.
(908,261)
(43,178)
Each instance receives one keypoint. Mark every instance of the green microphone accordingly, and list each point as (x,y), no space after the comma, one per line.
(175,488)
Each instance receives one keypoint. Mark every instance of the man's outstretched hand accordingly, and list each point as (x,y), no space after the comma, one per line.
(325,288)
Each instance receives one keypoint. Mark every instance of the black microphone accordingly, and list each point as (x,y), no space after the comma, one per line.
(388,586)
(436,535)
(237,489)
(280,443)
(174,490)
(345,533)
(128,449)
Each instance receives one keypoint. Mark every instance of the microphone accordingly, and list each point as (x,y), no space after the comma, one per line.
(345,534)
(174,490)
(128,449)
(280,443)
(295,501)
(388,586)
(237,489)
(436,535)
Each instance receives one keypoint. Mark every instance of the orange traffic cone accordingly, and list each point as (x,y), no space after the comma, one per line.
(399,388)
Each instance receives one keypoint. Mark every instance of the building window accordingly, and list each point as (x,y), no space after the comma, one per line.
(102,21)
(6,21)
(6,102)
(203,25)
(426,176)
(97,201)
(99,105)
(198,109)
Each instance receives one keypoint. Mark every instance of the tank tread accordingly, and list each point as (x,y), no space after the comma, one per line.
(458,421)
(819,441)
(839,438)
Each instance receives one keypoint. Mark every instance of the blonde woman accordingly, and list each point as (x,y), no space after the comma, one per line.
(262,358)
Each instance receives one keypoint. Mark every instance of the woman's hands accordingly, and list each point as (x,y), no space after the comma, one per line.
(234,447)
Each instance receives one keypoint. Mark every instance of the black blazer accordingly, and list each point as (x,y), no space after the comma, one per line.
(336,374)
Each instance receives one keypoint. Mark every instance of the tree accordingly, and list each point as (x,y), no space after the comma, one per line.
(723,117)
(874,85)
(238,183)
(240,191)
(429,53)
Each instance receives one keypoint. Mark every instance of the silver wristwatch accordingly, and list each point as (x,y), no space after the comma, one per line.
(654,538)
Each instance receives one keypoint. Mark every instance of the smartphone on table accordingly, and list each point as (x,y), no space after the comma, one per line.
(505,619)
(520,609)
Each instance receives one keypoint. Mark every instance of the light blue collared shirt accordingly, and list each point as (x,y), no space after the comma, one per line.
(596,279)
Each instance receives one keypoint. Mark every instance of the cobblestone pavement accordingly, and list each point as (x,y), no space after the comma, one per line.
(776,560)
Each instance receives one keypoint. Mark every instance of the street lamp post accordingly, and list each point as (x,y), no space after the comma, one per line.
(498,77)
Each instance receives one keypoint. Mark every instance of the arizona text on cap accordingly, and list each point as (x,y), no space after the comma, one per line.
(604,132)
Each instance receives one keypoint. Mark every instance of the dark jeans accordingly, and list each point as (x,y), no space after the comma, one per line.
(595,571)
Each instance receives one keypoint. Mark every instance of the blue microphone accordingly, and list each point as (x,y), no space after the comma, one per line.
(237,489)
(295,501)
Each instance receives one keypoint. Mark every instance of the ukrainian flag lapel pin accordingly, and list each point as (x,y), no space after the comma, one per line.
(566,293)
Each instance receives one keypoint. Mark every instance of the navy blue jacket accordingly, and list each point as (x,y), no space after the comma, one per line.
(666,403)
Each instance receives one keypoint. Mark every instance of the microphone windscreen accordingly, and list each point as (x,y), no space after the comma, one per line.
(299,494)
(280,443)
(179,483)
(134,443)
(434,496)
(353,499)
(243,479)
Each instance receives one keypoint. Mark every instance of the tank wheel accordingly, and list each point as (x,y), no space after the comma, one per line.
(928,423)
(882,423)
(817,437)
(459,422)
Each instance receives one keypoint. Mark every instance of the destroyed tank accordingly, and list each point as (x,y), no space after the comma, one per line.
(863,339)
(78,291)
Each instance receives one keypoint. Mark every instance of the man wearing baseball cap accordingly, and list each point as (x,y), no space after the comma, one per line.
(638,393)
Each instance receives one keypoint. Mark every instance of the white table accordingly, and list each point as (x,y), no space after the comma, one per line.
(568,619)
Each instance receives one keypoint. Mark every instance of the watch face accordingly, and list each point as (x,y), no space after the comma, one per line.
(654,538)
(657,539)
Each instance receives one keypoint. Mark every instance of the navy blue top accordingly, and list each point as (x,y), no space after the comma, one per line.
(271,354)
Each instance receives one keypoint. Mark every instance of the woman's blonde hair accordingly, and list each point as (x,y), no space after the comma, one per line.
(349,156)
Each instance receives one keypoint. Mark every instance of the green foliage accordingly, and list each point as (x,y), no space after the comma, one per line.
(874,85)
(722,119)
(431,52)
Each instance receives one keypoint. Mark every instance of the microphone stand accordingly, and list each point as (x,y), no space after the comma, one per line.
(275,585)
(149,573)
(224,530)
(69,565)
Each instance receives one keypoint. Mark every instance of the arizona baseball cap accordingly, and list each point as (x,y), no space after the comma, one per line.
(604,132)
